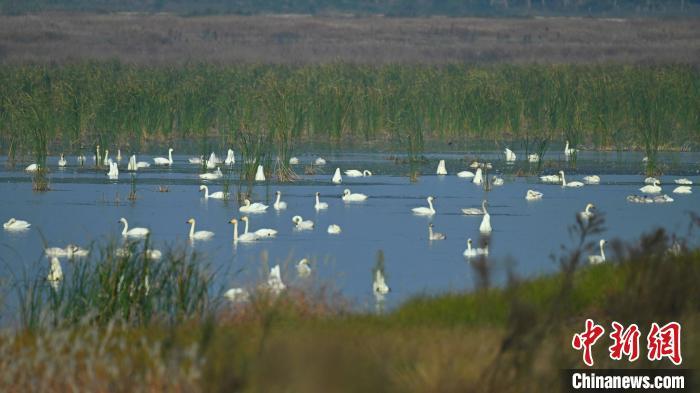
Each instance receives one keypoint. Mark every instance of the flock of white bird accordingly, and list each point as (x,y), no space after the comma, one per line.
(650,191)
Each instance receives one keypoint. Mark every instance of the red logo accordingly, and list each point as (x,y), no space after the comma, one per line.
(665,342)
(625,342)
(586,339)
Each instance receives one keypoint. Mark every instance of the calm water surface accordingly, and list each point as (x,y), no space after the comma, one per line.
(82,208)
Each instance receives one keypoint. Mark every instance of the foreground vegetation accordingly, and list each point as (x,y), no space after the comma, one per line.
(516,338)
(65,108)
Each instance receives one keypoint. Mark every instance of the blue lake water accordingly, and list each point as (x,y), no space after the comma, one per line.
(82,208)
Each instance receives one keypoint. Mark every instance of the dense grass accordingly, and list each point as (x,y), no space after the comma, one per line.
(510,339)
(45,108)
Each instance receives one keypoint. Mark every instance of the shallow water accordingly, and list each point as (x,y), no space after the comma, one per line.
(82,207)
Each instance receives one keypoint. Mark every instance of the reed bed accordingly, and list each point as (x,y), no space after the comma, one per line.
(271,110)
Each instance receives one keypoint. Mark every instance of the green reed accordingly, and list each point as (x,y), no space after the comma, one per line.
(604,106)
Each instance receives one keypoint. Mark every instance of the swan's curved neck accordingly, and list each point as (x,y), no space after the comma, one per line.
(318,199)
(430,231)
(430,203)
(563,179)
(602,251)
(192,229)
(588,209)
(483,207)
(567,146)
(235,232)
(126,227)
(279,196)
(469,246)
(170,156)
(246,227)
(206,192)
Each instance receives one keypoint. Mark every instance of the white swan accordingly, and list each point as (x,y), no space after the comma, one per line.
(497,181)
(210,164)
(260,174)
(569,151)
(465,174)
(320,205)
(470,252)
(596,259)
(143,164)
(133,232)
(113,173)
(80,159)
(573,184)
(301,225)
(303,268)
(55,252)
(73,251)
(237,295)
(32,168)
(320,161)
(55,275)
(334,229)
(533,157)
(651,180)
(350,197)
(260,233)
(485,226)
(131,166)
(533,195)
(214,195)
(198,235)
(244,238)
(196,160)
(119,155)
(62,161)
(478,178)
(337,179)
(587,213)
(435,235)
(357,173)
(252,207)
(294,161)
(106,161)
(684,182)
(475,211)
(553,179)
(274,281)
(214,159)
(651,189)
(230,158)
(165,161)
(97,155)
(441,170)
(682,190)
(211,176)
(279,204)
(379,286)
(14,224)
(592,179)
(425,211)
(510,156)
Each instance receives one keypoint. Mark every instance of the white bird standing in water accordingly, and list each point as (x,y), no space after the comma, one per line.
(510,156)
(214,195)
(425,211)
(131,166)
(682,190)
(441,170)
(352,197)
(533,195)
(230,158)
(133,232)
(465,174)
(652,188)
(572,184)
(244,238)
(14,224)
(274,281)
(569,151)
(198,235)
(301,225)
(165,161)
(596,259)
(337,179)
(478,178)
(379,286)
(485,227)
(334,229)
(55,275)
(320,205)
(587,213)
(113,173)
(320,161)
(303,268)
(260,174)
(62,161)
(260,233)
(592,179)
(279,204)
(475,211)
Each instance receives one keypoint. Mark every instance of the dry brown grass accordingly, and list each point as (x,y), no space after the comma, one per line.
(168,39)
